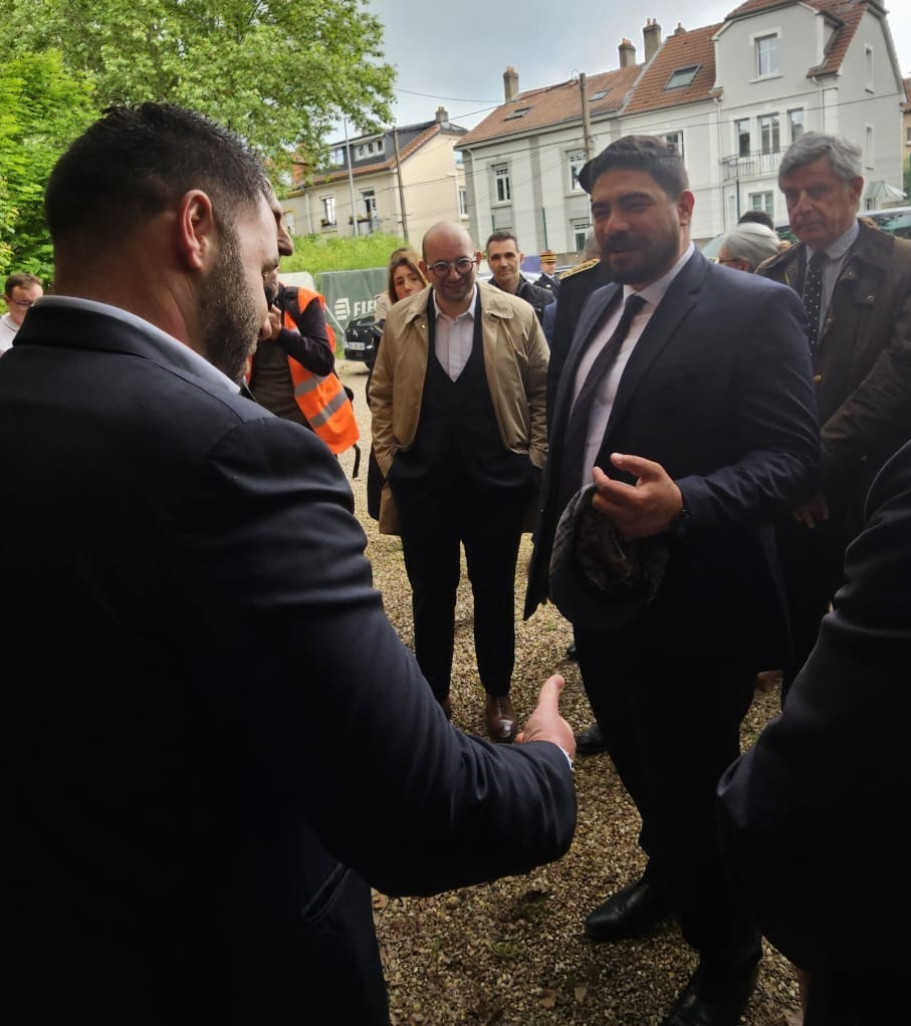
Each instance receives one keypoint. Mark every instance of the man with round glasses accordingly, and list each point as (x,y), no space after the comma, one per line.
(22,289)
(458,402)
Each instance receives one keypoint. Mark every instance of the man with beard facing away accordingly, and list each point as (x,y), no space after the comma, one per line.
(686,399)
(185,838)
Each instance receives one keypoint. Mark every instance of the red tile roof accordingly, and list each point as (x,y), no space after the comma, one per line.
(680,50)
(324,176)
(555,104)
(846,14)
(644,87)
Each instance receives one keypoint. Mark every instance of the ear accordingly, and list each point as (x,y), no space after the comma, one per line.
(425,270)
(855,188)
(196,229)
(685,203)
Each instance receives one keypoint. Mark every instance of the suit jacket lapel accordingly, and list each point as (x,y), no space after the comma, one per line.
(679,299)
(591,320)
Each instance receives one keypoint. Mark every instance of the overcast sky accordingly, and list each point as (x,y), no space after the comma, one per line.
(454,53)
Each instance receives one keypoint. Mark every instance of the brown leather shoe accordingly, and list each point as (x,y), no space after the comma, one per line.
(501,720)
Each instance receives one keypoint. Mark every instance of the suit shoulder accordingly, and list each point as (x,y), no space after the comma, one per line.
(583,268)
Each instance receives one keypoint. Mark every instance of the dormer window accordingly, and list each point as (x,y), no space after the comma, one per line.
(519,112)
(683,77)
(599,95)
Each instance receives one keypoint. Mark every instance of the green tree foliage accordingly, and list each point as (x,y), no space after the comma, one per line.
(280,73)
(42,109)
(319,253)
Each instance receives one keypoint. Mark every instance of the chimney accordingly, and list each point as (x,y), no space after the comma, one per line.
(679,30)
(627,54)
(510,84)
(442,115)
(651,34)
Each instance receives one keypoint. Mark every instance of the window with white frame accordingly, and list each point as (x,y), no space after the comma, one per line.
(868,67)
(580,230)
(502,191)
(463,201)
(766,55)
(763,201)
(769,134)
(328,210)
(676,140)
(742,137)
(908,136)
(868,147)
(368,197)
(576,160)
(795,124)
(288,221)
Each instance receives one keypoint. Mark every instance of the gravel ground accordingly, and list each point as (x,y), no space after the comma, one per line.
(514,952)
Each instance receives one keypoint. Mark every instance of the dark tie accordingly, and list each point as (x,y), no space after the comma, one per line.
(812,295)
(577,428)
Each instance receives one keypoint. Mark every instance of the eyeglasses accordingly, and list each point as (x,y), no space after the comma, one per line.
(442,268)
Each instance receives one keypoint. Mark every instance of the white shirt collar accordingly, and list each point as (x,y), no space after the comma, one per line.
(654,292)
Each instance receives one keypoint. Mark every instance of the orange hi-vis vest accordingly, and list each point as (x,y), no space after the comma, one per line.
(322,400)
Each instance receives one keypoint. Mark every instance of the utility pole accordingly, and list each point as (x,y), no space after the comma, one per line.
(586,120)
(350,179)
(398,172)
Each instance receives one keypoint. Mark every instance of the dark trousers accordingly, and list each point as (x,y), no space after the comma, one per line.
(863,996)
(489,525)
(672,726)
(812,564)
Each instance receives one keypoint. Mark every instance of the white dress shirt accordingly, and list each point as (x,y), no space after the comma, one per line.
(604,398)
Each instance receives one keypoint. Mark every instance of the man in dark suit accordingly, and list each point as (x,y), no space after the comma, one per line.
(213,741)
(855,281)
(812,827)
(687,399)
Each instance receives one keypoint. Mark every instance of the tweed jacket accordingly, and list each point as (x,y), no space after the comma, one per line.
(862,361)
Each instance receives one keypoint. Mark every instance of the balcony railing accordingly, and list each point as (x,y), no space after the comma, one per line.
(753,165)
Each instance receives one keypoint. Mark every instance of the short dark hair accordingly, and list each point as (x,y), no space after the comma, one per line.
(503,235)
(756,217)
(21,280)
(136,160)
(646,153)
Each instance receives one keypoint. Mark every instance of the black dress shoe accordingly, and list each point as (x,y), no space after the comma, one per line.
(635,910)
(590,741)
(714,997)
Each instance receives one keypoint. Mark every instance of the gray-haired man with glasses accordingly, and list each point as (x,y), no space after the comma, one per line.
(460,433)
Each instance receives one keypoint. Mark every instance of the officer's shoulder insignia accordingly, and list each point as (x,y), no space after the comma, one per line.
(588,265)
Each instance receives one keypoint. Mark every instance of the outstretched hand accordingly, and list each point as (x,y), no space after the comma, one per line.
(546,723)
(643,509)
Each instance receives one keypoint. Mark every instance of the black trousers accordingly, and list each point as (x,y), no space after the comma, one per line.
(862,996)
(672,726)
(812,564)
(433,524)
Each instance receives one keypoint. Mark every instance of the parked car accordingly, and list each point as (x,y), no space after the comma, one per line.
(360,339)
